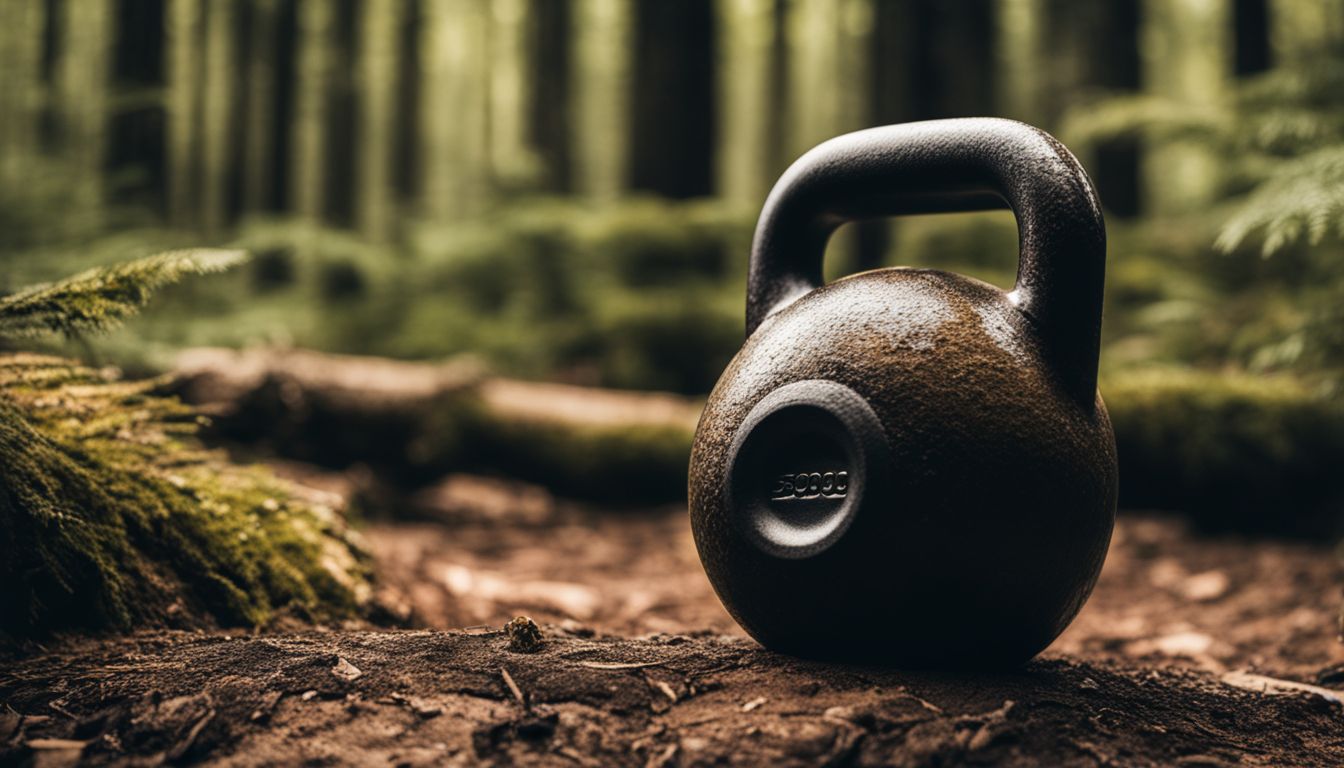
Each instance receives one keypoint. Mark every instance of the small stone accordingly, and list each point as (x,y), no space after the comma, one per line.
(524,635)
(345,670)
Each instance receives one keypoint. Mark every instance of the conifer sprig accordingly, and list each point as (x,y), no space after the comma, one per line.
(100,299)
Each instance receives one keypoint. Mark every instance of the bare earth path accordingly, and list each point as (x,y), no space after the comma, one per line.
(1193,651)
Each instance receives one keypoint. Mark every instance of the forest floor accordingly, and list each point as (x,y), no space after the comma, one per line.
(1194,650)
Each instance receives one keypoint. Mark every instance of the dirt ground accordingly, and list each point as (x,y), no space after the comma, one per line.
(1194,650)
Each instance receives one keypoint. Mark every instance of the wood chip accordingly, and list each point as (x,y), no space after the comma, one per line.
(345,670)
(666,689)
(618,665)
(663,758)
(753,704)
(1273,686)
(180,749)
(513,687)
(55,744)
(267,706)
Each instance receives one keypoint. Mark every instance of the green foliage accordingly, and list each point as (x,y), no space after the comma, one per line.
(1301,199)
(113,515)
(1281,139)
(1281,136)
(1248,452)
(99,299)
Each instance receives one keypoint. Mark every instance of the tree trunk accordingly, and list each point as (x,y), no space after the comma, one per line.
(600,125)
(379,30)
(312,107)
(259,137)
(1301,30)
(183,65)
(82,80)
(218,124)
(514,163)
(1022,66)
(1187,59)
(746,110)
(21,28)
(454,109)
(828,74)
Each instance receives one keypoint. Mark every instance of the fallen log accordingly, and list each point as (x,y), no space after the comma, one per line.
(1231,451)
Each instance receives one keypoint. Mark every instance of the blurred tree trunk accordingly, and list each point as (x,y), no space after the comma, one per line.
(600,125)
(549,109)
(259,136)
(514,164)
(1022,67)
(828,75)
(454,108)
(673,109)
(218,123)
(746,109)
(1187,59)
(312,107)
(379,31)
(182,20)
(82,80)
(22,25)
(1300,29)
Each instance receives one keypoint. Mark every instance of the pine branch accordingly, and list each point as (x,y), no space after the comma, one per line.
(100,299)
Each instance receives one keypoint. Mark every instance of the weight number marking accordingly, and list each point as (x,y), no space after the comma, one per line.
(810,485)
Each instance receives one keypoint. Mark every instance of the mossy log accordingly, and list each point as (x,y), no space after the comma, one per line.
(113,515)
(1231,450)
(413,422)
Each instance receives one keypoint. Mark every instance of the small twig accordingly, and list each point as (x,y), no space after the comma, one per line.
(517,692)
(478,630)
(619,665)
(662,687)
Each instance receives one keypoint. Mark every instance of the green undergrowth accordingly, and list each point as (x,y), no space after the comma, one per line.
(1234,450)
(112,513)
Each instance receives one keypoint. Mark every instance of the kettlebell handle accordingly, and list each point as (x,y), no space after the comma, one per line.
(966,164)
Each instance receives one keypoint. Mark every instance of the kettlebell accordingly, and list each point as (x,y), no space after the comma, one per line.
(908,466)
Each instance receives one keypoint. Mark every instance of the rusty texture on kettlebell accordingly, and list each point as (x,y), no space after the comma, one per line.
(909,466)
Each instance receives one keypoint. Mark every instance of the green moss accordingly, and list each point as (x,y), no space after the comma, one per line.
(1230,449)
(640,463)
(113,515)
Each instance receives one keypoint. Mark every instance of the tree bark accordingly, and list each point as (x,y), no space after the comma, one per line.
(1187,59)
(600,126)
(21,28)
(454,109)
(746,167)
(513,162)
(82,79)
(259,136)
(1022,67)
(218,125)
(312,86)
(1300,30)
(379,30)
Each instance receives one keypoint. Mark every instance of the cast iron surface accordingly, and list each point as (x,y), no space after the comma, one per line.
(982,532)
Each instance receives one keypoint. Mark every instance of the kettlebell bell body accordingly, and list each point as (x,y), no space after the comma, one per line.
(909,466)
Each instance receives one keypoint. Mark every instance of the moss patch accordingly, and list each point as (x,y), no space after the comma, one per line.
(113,515)
(1233,450)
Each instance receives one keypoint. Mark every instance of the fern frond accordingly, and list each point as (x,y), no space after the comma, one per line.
(100,299)
(1146,117)
(1302,199)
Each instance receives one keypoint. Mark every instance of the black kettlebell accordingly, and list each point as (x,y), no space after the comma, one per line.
(909,466)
